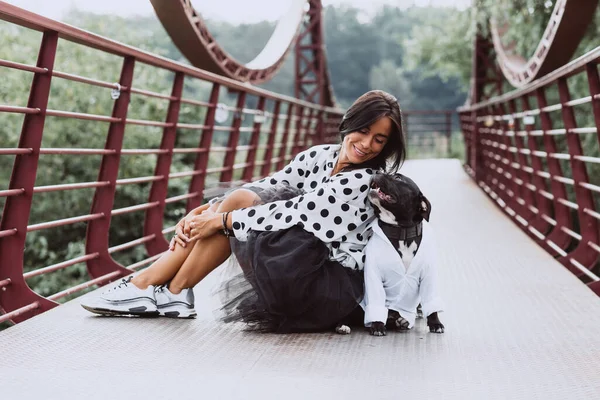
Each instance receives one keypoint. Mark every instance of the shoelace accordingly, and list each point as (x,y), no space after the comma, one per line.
(124,282)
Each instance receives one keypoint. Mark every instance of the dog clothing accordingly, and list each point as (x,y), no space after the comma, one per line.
(301,250)
(389,285)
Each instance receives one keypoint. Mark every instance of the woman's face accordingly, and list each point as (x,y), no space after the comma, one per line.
(363,145)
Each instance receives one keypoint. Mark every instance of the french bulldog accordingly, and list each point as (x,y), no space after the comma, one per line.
(401,210)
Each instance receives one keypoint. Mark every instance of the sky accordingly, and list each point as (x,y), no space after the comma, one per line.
(234,11)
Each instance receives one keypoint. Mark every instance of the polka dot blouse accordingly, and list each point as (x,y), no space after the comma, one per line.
(334,208)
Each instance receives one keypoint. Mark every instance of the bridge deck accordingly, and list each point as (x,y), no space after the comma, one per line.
(519,326)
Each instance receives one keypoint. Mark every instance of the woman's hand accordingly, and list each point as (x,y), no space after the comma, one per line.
(204,225)
(183,228)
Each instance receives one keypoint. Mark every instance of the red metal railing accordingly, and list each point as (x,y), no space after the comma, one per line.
(278,127)
(429,133)
(535,152)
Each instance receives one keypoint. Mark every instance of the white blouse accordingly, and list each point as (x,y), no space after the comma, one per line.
(334,208)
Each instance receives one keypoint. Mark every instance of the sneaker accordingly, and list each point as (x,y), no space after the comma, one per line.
(123,299)
(171,305)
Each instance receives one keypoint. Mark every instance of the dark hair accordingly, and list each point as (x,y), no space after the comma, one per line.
(366,110)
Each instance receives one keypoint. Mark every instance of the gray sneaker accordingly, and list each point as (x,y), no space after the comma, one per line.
(171,305)
(123,299)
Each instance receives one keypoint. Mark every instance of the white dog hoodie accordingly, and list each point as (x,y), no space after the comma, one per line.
(389,285)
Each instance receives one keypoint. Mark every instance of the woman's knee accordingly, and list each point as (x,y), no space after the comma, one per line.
(237,199)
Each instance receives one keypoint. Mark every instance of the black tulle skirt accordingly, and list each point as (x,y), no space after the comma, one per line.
(285,281)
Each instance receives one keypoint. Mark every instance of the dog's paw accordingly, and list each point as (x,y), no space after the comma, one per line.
(402,324)
(377,329)
(434,324)
(436,328)
(343,330)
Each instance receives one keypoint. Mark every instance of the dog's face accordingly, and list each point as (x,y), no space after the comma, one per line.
(397,200)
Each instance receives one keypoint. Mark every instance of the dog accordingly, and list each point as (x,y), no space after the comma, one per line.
(400,274)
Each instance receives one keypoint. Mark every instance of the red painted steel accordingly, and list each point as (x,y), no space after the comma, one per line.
(153,222)
(17,295)
(266,168)
(248,173)
(98,230)
(234,137)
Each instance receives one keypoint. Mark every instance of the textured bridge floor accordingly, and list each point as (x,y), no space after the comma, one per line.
(519,326)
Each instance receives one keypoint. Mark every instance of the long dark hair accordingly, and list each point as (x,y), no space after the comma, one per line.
(367,109)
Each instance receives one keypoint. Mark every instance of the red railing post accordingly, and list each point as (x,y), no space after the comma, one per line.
(286,133)
(542,204)
(588,225)
(266,168)
(448,133)
(234,137)
(17,294)
(153,222)
(104,197)
(248,173)
(198,182)
(298,132)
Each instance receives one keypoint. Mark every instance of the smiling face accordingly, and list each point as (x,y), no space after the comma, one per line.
(365,144)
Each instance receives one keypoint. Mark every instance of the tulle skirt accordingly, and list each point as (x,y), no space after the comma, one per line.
(285,281)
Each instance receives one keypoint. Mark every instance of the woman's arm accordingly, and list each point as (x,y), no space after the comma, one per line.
(330,212)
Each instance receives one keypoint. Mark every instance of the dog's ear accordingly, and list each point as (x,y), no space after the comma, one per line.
(425,207)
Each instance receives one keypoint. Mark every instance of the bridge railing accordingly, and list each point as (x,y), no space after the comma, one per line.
(212,130)
(535,152)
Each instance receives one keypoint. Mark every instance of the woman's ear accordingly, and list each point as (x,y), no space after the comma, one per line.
(425,207)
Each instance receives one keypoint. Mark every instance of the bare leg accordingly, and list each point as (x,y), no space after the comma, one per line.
(185,267)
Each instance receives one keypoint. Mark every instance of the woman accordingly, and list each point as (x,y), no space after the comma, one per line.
(298,235)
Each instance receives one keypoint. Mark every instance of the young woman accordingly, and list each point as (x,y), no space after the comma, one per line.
(298,235)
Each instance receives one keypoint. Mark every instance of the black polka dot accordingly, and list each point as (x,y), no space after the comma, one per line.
(369,171)
(333,190)
(300,172)
(311,205)
(268,227)
(313,154)
(243,225)
(335,245)
(351,227)
(321,192)
(262,180)
(330,165)
(286,181)
(364,258)
(236,225)
(301,157)
(313,185)
(332,199)
(315,169)
(337,220)
(358,175)
(364,217)
(345,207)
(347,191)
(289,204)
(273,181)
(300,199)
(303,217)
(260,220)
(300,224)
(288,170)
(326,148)
(344,238)
(300,185)
(251,213)
(278,215)
(288,219)
(317,226)
(324,179)
(296,206)
(324,213)
(344,181)
(306,174)
(329,234)
(363,188)
(359,237)
(272,207)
